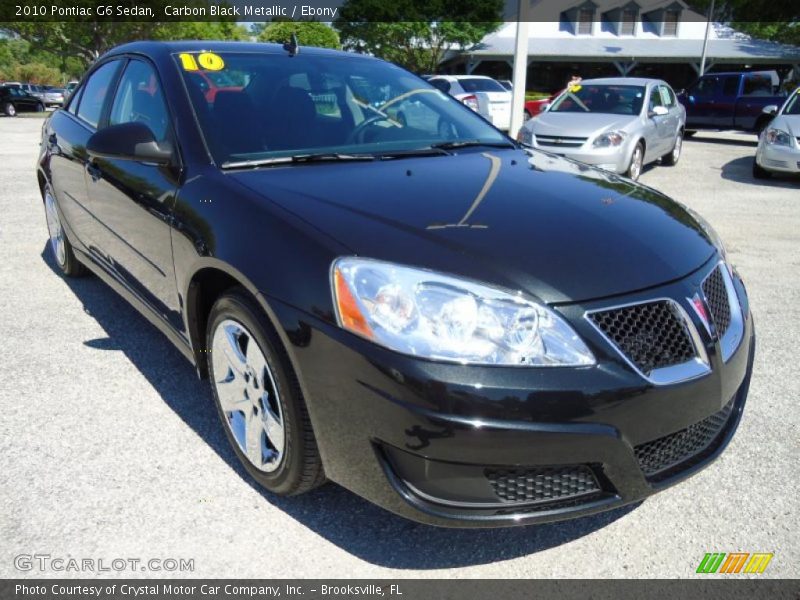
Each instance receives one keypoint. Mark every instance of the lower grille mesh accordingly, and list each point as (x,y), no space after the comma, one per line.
(672,450)
(542,484)
(717,298)
(651,335)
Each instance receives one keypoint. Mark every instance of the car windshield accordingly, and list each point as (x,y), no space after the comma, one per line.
(793,105)
(593,98)
(478,84)
(269,106)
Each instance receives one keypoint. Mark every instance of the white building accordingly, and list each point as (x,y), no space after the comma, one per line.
(659,38)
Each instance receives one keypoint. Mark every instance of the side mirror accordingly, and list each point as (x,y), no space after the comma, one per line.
(129,141)
(771,110)
(658,111)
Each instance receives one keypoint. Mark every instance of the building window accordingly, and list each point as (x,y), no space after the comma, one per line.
(628,24)
(671,22)
(585,18)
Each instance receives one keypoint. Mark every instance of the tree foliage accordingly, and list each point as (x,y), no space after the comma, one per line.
(415,33)
(309,33)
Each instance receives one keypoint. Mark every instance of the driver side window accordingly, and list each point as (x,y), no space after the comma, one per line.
(139,99)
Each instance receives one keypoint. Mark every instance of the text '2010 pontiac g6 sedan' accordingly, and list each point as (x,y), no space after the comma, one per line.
(461,330)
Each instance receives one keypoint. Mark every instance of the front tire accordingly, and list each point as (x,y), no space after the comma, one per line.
(9,110)
(637,161)
(60,247)
(760,172)
(671,159)
(40,107)
(258,398)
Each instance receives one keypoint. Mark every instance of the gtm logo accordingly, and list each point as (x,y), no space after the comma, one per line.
(736,562)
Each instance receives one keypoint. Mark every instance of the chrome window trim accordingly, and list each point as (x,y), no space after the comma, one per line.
(698,367)
(730,341)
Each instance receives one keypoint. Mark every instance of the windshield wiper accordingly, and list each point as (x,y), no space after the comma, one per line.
(426,151)
(296,158)
(454,144)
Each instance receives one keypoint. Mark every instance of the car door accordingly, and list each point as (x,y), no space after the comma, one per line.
(701,100)
(133,200)
(23,101)
(655,126)
(672,121)
(725,105)
(67,135)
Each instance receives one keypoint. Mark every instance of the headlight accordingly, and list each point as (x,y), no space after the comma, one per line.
(435,316)
(525,136)
(609,139)
(778,137)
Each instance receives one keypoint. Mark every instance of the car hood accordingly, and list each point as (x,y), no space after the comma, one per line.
(579,124)
(791,123)
(528,220)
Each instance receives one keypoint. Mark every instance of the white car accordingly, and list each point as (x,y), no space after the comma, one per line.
(779,144)
(482,94)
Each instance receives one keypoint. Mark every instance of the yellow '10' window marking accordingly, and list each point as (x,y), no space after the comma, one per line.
(207,60)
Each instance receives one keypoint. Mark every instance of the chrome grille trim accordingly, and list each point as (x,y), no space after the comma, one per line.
(697,367)
(732,337)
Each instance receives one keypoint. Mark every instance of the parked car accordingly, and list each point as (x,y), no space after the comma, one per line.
(535,107)
(449,327)
(54,97)
(730,101)
(482,94)
(619,124)
(70,87)
(37,91)
(779,144)
(14,100)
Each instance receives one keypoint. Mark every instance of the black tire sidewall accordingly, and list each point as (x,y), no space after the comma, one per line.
(237,306)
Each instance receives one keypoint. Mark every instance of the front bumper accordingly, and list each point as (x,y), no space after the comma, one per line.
(782,159)
(455,445)
(616,159)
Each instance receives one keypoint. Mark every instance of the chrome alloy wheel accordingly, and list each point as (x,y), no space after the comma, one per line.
(636,162)
(248,395)
(54,229)
(676,151)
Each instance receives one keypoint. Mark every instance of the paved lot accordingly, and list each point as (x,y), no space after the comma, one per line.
(109,446)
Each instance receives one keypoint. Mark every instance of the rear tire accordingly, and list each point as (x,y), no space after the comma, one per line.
(671,159)
(40,107)
(760,172)
(60,247)
(268,426)
(9,110)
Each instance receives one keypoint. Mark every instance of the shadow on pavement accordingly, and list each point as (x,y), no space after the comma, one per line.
(341,517)
(751,141)
(740,170)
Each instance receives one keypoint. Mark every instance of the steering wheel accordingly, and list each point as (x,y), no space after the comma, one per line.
(358,132)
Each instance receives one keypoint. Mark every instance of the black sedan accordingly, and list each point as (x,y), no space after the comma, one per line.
(466,332)
(15,100)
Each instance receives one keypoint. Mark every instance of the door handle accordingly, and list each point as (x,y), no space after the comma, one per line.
(94,171)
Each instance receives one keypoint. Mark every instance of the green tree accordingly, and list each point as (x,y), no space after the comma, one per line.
(309,33)
(416,33)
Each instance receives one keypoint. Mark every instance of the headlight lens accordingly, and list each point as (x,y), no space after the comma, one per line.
(440,317)
(778,137)
(609,139)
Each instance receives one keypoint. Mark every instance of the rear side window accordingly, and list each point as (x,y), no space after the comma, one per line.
(139,99)
(475,84)
(757,85)
(441,84)
(706,87)
(95,91)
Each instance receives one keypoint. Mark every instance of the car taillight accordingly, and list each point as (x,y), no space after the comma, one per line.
(471,101)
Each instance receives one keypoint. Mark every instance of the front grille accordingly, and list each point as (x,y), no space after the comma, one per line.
(659,457)
(560,141)
(717,299)
(542,484)
(651,335)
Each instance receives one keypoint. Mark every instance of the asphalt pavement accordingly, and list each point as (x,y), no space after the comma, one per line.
(110,447)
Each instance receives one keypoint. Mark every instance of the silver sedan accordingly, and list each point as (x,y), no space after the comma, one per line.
(779,144)
(619,124)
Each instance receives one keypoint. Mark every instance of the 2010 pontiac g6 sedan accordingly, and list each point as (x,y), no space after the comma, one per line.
(461,330)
